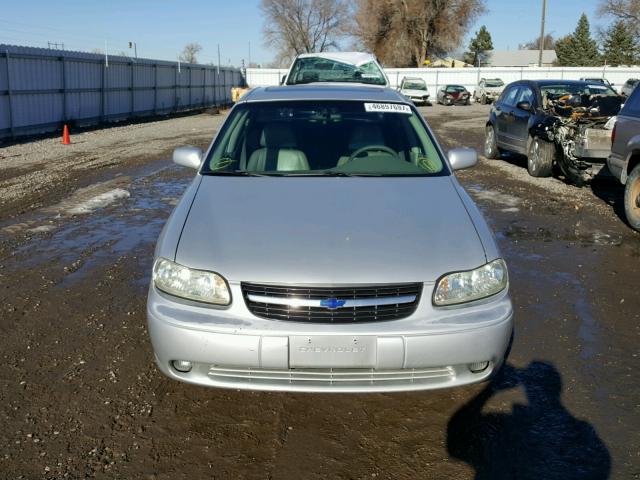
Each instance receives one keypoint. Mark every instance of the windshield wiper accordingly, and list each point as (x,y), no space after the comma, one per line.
(331,174)
(235,174)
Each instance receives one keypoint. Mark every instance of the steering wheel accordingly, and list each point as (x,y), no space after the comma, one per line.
(373,148)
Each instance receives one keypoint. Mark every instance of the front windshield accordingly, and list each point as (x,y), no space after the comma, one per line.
(494,83)
(324,138)
(560,90)
(414,84)
(315,69)
(455,88)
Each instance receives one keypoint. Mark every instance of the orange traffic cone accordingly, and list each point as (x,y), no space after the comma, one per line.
(65,136)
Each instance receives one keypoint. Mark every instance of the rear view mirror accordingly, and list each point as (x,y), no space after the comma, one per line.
(461,158)
(524,106)
(188,157)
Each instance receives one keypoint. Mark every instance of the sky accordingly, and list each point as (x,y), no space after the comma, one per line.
(161,28)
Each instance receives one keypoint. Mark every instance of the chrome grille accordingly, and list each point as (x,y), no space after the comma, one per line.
(346,304)
(331,376)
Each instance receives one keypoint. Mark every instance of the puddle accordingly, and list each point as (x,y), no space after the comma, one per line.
(106,223)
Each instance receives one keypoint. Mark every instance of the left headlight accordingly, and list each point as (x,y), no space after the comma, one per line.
(462,287)
(198,285)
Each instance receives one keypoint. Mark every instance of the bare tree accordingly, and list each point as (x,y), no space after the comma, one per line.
(190,52)
(549,43)
(407,32)
(303,26)
(626,10)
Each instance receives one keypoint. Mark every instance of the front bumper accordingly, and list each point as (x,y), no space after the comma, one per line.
(232,348)
(419,99)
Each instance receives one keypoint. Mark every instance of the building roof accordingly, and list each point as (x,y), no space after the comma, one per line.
(519,58)
(336,91)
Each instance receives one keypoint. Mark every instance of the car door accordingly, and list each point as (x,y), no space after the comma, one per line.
(520,118)
(503,112)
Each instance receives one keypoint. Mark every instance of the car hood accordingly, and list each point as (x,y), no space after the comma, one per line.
(414,92)
(336,230)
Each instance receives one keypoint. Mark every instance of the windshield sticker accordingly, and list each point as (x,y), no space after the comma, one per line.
(387,108)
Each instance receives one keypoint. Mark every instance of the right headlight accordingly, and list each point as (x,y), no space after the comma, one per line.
(462,287)
(184,282)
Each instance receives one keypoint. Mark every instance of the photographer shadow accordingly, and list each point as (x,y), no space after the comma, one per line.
(541,440)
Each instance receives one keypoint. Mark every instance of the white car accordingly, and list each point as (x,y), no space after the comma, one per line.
(415,89)
(488,90)
(336,67)
(628,87)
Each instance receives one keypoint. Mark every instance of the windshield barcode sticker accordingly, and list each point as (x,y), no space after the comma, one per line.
(387,108)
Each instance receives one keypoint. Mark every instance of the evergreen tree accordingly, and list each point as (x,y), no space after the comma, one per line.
(619,46)
(578,49)
(478,47)
(564,52)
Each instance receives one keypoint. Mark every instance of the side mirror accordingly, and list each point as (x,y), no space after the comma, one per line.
(461,158)
(284,77)
(526,106)
(188,157)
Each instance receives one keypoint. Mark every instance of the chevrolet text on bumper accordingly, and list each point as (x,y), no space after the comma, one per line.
(280,271)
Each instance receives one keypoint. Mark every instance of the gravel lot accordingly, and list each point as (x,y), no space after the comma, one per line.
(80,396)
(34,173)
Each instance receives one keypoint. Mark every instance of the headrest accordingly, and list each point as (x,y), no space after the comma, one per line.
(365,135)
(278,135)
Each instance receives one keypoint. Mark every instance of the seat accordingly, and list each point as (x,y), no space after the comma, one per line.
(363,136)
(277,151)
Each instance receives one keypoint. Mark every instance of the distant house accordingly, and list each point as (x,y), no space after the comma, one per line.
(520,58)
(448,62)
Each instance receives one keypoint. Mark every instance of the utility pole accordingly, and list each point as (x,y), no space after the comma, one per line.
(134,45)
(544,10)
(218,59)
(249,62)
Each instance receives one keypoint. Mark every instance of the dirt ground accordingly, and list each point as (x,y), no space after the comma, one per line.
(80,396)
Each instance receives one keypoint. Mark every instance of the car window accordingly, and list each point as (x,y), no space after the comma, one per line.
(455,88)
(316,69)
(494,83)
(416,84)
(290,138)
(525,94)
(559,90)
(632,105)
(509,96)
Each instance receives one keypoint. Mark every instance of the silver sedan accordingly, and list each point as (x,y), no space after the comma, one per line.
(325,245)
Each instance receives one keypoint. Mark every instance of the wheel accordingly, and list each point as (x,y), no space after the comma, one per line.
(632,198)
(491,149)
(483,100)
(540,157)
(468,102)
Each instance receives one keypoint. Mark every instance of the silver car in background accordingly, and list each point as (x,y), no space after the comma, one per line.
(415,89)
(488,90)
(325,245)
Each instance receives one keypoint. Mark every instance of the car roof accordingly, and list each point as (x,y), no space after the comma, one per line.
(354,58)
(335,91)
(544,83)
(413,78)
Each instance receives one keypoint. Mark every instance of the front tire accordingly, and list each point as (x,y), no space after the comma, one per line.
(540,156)
(491,149)
(632,198)
(483,100)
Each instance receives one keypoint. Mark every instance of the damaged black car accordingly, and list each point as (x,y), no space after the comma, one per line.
(560,125)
